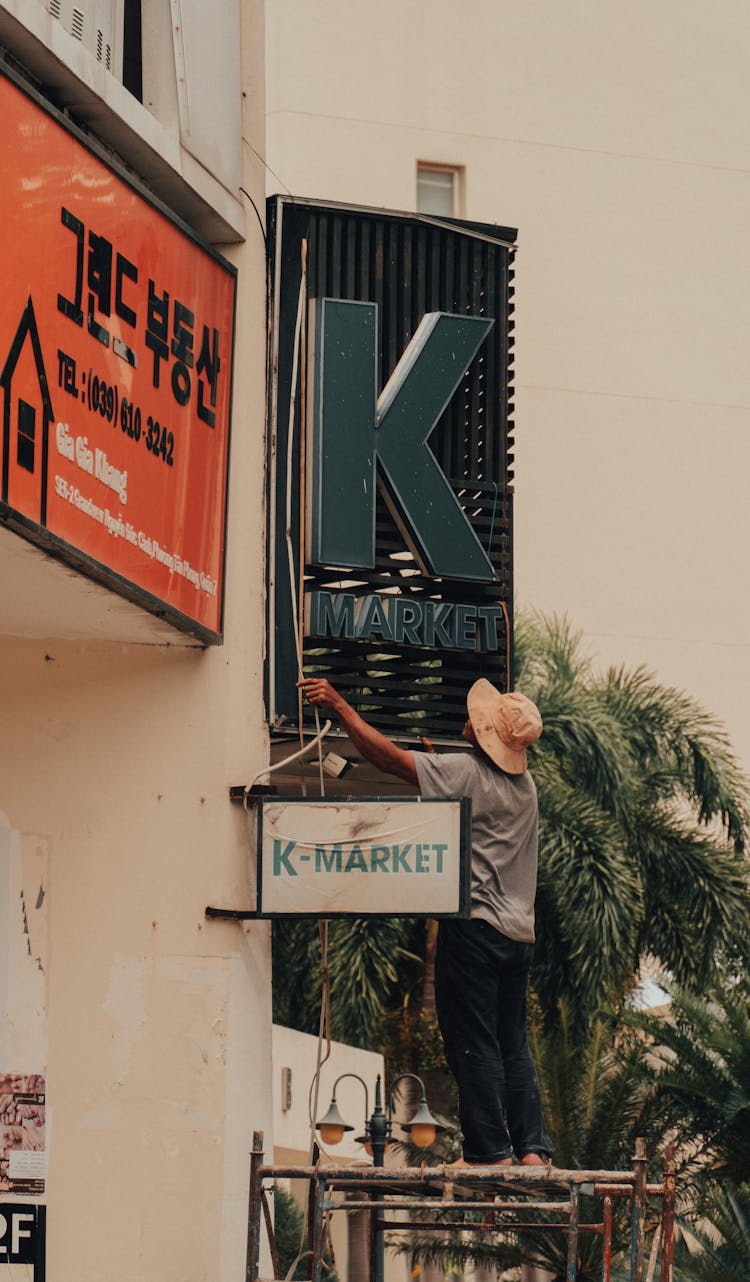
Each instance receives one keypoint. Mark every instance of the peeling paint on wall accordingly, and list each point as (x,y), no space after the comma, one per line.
(23,951)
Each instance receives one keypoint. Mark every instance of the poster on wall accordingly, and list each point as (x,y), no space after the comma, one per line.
(116,342)
(23,1150)
(384,856)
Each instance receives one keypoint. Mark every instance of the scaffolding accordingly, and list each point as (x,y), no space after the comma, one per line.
(439,1198)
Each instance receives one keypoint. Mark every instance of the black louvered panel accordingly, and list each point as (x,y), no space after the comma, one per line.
(408,266)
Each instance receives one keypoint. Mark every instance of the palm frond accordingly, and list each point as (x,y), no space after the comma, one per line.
(367,956)
(700,1061)
(719,1251)
(643,821)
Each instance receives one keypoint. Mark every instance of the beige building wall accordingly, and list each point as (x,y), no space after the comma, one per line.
(614,137)
(120,740)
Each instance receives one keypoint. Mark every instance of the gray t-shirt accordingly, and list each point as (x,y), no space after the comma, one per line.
(503,834)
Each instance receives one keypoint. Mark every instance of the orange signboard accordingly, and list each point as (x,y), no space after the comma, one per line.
(116,336)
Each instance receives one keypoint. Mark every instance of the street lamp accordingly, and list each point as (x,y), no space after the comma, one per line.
(422,1128)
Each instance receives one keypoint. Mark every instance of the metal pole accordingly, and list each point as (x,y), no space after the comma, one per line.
(311,1192)
(607,1240)
(575,1195)
(378,1136)
(316,1228)
(638,1235)
(253,1210)
(667,1215)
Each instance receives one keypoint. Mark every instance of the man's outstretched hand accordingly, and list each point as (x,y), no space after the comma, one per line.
(320,692)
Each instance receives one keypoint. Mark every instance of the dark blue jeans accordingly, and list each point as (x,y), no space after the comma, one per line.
(481,978)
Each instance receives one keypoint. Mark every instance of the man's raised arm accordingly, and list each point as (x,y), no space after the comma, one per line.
(379,750)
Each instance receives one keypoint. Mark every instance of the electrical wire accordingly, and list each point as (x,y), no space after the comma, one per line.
(268,770)
(257,214)
(324,1027)
(266,165)
(506,617)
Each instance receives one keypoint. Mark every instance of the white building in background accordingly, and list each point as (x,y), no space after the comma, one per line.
(615,139)
(295,1060)
(136,1030)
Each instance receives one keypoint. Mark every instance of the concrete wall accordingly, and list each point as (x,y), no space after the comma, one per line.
(615,138)
(151,1024)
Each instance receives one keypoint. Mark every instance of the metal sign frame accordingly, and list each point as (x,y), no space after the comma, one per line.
(407,677)
(464,867)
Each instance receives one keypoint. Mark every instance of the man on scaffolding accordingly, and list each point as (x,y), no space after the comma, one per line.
(483,962)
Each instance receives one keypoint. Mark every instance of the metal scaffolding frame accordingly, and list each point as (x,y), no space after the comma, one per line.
(511,1198)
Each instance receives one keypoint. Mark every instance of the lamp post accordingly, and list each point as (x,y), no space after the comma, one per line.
(423,1128)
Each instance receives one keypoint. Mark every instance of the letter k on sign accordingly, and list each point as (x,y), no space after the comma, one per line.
(357,435)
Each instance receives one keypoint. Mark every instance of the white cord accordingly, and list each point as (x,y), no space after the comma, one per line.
(268,770)
(289,460)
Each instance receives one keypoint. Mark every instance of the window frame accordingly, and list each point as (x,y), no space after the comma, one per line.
(458,173)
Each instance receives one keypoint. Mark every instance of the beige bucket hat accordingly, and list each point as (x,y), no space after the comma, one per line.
(504,724)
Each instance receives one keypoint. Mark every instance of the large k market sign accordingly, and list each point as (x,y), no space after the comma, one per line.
(390,468)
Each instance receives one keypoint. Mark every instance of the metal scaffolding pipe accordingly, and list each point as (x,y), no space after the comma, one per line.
(521,1193)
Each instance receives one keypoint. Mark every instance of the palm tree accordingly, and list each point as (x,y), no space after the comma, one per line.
(720,1251)
(700,1058)
(643,823)
(699,1063)
(371,964)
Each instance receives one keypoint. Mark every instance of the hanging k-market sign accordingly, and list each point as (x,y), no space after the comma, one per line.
(116,338)
(390,464)
(337,857)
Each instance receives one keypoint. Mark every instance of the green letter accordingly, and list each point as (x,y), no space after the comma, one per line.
(350,431)
(356,860)
(282,857)
(466,627)
(327,860)
(341,462)
(407,619)
(438,622)
(373,619)
(423,859)
(379,856)
(488,619)
(331,614)
(399,859)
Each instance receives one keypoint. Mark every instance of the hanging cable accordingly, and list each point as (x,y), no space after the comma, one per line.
(324,1027)
(292,399)
(268,770)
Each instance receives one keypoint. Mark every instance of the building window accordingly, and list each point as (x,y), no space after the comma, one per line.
(26,435)
(439,190)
